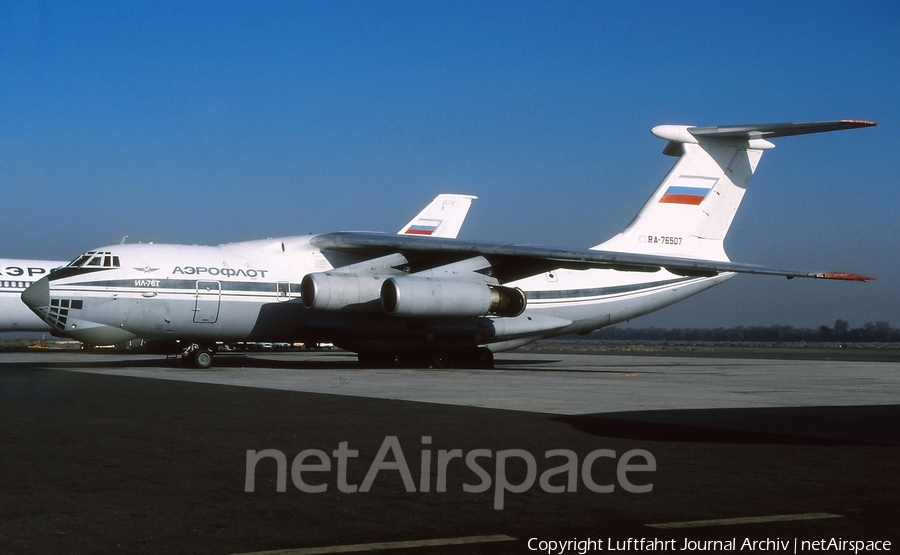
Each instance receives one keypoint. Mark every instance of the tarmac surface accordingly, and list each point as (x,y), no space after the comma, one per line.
(112,453)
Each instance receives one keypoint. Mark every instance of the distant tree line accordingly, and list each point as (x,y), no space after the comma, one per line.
(880,332)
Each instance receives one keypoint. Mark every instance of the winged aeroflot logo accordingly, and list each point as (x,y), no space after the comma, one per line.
(146,269)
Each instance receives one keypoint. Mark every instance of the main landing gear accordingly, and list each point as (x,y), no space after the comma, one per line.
(480,357)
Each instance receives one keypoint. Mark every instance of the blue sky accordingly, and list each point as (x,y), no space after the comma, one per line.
(210,122)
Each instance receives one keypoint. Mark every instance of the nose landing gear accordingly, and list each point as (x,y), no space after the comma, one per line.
(198,356)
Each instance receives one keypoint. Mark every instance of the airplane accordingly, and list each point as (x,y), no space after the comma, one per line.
(16,276)
(424,300)
(443,217)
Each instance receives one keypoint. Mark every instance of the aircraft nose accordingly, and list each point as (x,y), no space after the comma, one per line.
(38,294)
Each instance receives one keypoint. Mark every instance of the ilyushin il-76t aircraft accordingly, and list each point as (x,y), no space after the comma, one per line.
(418,297)
(446,211)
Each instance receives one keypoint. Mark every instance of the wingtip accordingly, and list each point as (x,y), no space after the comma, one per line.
(843,276)
(860,122)
(857,123)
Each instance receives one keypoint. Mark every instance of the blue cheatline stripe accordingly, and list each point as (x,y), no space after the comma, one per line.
(601,291)
(270,287)
(185,284)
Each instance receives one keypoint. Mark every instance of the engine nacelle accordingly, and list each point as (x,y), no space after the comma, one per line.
(423,297)
(341,292)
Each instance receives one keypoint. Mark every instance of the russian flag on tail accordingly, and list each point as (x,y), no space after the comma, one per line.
(421,229)
(676,194)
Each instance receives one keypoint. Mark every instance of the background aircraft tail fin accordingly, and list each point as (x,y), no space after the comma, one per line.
(691,211)
(442,218)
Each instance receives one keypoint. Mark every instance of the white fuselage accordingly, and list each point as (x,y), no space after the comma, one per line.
(16,276)
(250,291)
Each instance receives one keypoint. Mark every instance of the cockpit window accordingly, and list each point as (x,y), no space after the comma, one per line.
(95,260)
(78,262)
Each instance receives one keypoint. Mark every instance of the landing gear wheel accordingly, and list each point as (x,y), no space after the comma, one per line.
(444,360)
(198,357)
(201,359)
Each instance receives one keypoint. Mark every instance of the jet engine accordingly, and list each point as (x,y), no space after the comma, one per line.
(340,292)
(423,297)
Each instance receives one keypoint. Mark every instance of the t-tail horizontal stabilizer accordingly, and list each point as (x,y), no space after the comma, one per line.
(773,130)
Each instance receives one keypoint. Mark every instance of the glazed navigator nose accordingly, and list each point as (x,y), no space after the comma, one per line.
(38,294)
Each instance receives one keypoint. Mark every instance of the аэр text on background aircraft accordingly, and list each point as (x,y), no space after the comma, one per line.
(15,277)
(426,300)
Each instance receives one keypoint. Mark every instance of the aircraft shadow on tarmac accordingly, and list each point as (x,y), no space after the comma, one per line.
(873,425)
(326,360)
(75,364)
(225,361)
(339,360)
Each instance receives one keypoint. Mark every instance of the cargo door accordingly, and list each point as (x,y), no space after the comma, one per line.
(206,302)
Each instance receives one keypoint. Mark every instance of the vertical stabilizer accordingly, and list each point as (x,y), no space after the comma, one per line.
(691,211)
(442,218)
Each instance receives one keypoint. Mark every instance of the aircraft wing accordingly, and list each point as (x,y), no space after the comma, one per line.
(512,262)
